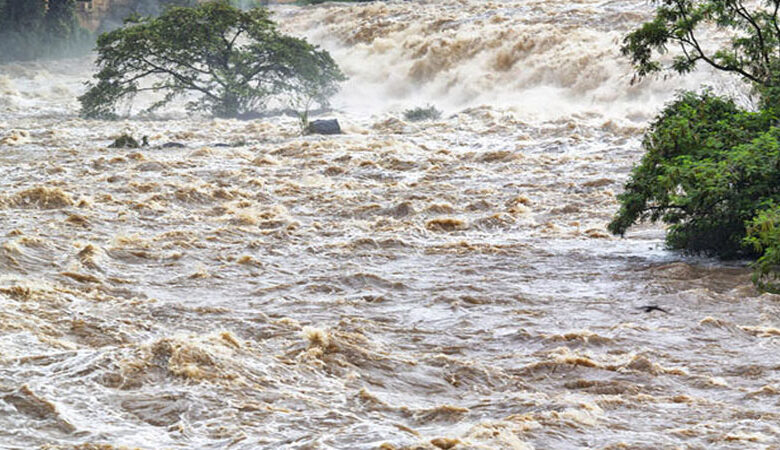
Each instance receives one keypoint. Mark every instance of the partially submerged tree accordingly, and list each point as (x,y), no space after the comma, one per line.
(707,169)
(234,60)
(712,170)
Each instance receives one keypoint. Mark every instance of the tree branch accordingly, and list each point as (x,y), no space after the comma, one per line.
(743,12)
(774,21)
(709,60)
(185,81)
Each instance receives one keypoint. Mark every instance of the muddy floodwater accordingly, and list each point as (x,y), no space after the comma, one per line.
(436,284)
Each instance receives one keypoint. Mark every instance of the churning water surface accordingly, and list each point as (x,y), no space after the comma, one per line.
(441,284)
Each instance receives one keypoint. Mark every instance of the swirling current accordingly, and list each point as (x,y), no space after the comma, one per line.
(421,285)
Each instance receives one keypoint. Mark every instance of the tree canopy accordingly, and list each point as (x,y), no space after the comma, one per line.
(711,170)
(234,61)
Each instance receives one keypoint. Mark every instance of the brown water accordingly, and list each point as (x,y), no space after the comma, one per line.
(445,284)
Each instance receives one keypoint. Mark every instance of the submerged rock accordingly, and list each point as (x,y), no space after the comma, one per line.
(329,126)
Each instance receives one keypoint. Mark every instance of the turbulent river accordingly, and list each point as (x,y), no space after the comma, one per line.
(440,284)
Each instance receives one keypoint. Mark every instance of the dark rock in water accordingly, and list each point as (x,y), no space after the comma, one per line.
(330,126)
(173,145)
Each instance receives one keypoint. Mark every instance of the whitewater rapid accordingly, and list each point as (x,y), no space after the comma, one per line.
(440,284)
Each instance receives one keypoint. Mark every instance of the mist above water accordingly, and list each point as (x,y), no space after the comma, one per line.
(542,60)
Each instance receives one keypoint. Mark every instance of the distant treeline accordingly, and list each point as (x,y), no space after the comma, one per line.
(32,29)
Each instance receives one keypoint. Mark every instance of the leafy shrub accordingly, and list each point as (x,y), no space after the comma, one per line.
(763,234)
(419,114)
(708,168)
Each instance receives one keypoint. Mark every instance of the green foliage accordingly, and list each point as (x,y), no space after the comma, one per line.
(234,60)
(32,29)
(695,174)
(763,234)
(708,168)
(711,171)
(419,114)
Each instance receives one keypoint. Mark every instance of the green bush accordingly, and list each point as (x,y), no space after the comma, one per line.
(419,114)
(708,168)
(763,235)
